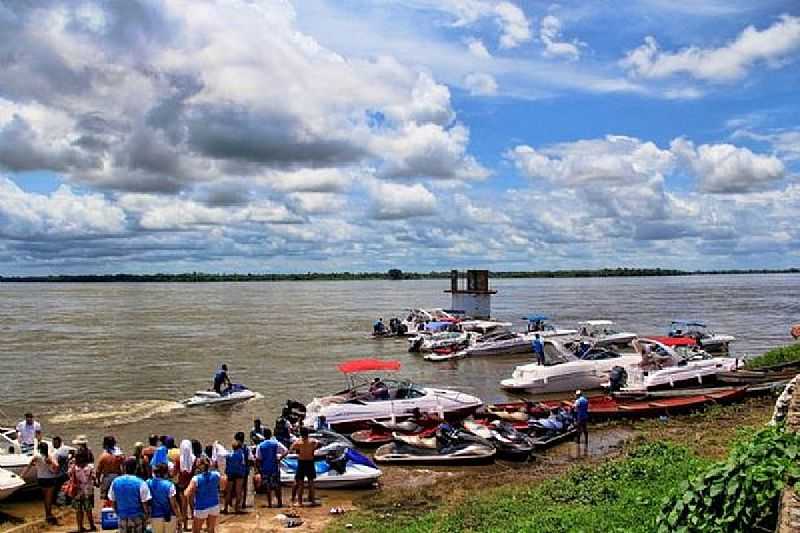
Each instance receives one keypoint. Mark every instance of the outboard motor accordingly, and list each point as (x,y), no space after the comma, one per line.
(416,346)
(617,378)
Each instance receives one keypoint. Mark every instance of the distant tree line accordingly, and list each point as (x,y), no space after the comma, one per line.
(393,274)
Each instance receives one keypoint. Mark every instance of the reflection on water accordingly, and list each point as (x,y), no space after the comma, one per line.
(90,357)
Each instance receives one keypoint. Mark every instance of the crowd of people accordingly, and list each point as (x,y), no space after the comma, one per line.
(165,485)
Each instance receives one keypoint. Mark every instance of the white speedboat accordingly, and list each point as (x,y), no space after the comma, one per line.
(563,371)
(541,324)
(663,364)
(9,483)
(484,327)
(707,339)
(503,343)
(355,407)
(14,459)
(601,333)
(417,318)
(235,394)
(445,339)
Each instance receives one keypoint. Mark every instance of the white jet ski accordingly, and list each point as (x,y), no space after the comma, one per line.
(234,394)
(341,468)
(9,483)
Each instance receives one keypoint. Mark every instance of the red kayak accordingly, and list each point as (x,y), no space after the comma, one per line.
(610,407)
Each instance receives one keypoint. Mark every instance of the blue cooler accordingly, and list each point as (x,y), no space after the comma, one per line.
(108,518)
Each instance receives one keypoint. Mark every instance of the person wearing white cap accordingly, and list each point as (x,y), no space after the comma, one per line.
(581,408)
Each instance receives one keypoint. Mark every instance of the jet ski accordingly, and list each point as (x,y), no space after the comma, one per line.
(234,394)
(447,446)
(340,467)
(557,427)
(9,483)
(383,433)
(510,443)
(446,354)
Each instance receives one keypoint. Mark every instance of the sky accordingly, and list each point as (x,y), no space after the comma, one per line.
(148,136)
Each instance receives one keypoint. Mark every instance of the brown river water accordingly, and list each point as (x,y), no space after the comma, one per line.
(115,358)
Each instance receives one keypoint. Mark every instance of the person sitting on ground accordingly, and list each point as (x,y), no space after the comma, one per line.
(269,455)
(47,474)
(221,380)
(163,503)
(81,472)
(203,492)
(131,498)
(305,447)
(29,432)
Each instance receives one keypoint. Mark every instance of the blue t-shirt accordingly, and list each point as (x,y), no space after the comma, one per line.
(235,464)
(160,490)
(160,457)
(538,346)
(219,378)
(207,495)
(127,494)
(582,409)
(268,453)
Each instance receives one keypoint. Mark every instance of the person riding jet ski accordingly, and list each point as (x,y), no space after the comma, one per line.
(221,378)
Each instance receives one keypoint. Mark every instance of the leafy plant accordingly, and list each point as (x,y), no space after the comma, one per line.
(739,493)
(776,356)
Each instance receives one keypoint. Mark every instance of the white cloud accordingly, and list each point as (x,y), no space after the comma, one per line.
(785,142)
(62,214)
(554,46)
(725,168)
(478,49)
(480,84)
(317,202)
(515,25)
(392,201)
(724,64)
(309,180)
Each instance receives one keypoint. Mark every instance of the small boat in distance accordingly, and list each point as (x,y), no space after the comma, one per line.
(602,333)
(694,329)
(541,324)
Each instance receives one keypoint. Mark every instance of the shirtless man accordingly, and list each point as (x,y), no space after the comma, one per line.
(304,447)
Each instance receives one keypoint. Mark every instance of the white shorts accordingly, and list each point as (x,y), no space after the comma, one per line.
(205,513)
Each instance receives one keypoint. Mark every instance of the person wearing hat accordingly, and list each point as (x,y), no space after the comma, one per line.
(131,498)
(82,442)
(581,408)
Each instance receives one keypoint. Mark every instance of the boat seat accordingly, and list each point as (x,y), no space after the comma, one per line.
(417,442)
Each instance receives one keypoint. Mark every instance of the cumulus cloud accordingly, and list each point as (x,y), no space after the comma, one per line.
(478,49)
(554,45)
(63,214)
(725,168)
(515,25)
(480,84)
(724,64)
(392,201)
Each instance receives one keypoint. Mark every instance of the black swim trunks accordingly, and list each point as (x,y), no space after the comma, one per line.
(305,470)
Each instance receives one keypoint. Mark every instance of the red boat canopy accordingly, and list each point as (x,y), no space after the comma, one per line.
(674,341)
(367,365)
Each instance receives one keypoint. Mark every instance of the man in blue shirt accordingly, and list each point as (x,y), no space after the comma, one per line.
(221,378)
(162,505)
(268,458)
(581,408)
(131,498)
(538,349)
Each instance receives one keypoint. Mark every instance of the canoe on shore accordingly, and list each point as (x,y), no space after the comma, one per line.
(601,407)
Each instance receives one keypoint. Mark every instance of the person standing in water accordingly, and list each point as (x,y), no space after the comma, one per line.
(221,380)
(305,448)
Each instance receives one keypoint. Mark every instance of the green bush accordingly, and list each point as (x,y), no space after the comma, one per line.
(776,356)
(740,493)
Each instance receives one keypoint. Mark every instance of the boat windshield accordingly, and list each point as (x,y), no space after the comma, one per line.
(391,390)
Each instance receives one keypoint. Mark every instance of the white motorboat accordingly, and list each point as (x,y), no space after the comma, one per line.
(503,343)
(9,483)
(14,459)
(484,327)
(601,333)
(205,398)
(355,407)
(707,339)
(664,364)
(417,318)
(444,339)
(541,324)
(347,469)
(563,371)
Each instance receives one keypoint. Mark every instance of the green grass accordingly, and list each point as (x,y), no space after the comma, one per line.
(622,495)
(776,356)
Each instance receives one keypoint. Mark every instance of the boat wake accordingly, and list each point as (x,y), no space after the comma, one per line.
(116,414)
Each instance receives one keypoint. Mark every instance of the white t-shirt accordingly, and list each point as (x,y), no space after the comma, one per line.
(27,434)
